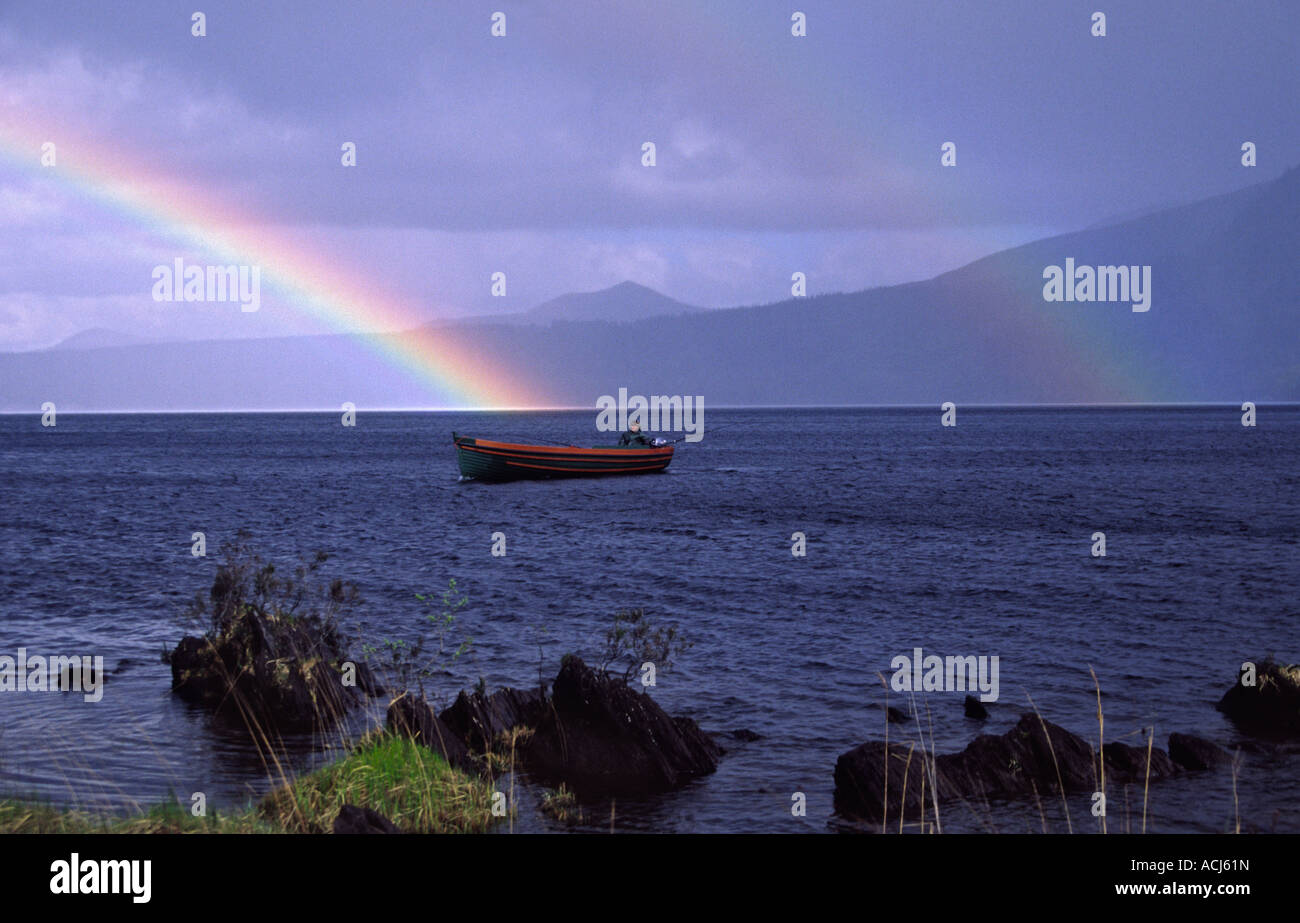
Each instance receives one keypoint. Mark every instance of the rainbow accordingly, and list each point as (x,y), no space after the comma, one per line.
(1084,348)
(454,374)
(1087,351)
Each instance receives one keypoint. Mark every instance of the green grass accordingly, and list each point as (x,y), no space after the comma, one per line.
(26,817)
(407,783)
(562,805)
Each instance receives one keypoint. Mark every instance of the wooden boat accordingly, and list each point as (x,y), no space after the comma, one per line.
(508,461)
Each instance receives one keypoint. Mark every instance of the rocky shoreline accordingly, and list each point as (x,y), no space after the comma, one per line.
(588,733)
(882,781)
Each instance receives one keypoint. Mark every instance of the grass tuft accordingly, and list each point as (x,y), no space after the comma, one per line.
(407,783)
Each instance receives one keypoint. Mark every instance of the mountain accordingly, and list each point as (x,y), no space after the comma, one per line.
(1222,326)
(97,338)
(626,301)
(1132,214)
(620,303)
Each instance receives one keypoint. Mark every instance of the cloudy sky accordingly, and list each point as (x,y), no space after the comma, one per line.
(523,153)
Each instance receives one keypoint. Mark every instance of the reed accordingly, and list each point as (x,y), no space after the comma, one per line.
(1146,784)
(1101,748)
(1060,783)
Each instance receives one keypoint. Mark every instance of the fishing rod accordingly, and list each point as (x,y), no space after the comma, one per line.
(712,430)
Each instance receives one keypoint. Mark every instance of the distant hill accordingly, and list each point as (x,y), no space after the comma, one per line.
(1223,326)
(98,338)
(620,303)
(626,301)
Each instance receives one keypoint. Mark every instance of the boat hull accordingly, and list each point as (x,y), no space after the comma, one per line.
(486,460)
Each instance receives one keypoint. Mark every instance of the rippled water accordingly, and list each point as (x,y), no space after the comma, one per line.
(965,540)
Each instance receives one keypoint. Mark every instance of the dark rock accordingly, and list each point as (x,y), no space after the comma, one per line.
(190,662)
(1128,764)
(1190,752)
(415,718)
(870,772)
(702,741)
(599,736)
(479,720)
(367,681)
(1018,763)
(1271,707)
(276,672)
(746,735)
(353,819)
(975,708)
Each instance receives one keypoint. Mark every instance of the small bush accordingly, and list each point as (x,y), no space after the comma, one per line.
(633,640)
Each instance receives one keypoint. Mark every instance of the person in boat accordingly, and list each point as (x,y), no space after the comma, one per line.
(634,436)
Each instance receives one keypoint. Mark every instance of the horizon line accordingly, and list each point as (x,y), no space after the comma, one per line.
(1050,405)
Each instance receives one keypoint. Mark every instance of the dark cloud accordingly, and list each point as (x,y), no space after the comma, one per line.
(768,146)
